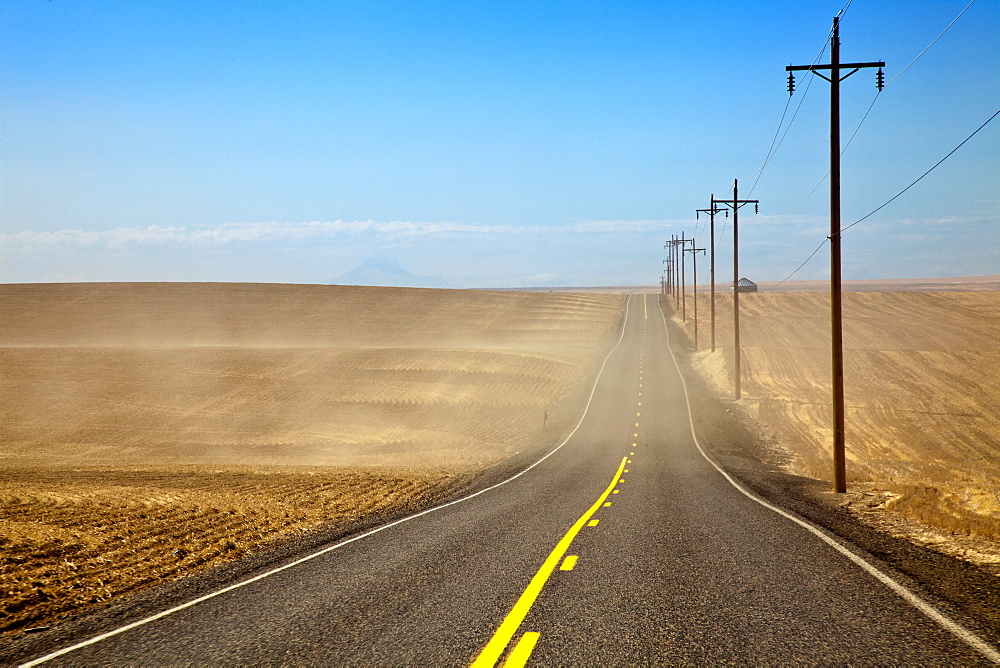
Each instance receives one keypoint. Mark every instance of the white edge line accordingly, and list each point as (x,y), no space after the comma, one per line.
(330,548)
(923,606)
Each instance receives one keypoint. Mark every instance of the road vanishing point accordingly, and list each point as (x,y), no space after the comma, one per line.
(625,545)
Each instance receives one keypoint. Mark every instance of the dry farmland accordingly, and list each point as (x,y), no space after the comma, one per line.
(150,430)
(922,395)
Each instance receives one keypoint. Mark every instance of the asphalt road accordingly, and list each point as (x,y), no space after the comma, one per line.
(673,565)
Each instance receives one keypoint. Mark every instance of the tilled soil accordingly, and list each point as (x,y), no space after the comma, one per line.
(73,538)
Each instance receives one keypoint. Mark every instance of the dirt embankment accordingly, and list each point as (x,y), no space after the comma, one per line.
(150,431)
(922,395)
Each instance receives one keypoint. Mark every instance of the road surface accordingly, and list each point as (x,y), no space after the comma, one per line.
(624,546)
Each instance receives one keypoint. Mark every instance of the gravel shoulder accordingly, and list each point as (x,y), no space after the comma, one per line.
(967,592)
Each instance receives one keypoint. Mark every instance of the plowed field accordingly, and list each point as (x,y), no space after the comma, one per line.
(922,396)
(148,431)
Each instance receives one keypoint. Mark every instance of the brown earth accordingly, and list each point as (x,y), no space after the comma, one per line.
(148,431)
(922,396)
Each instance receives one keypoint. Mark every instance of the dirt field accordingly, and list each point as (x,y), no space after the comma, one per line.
(922,396)
(151,430)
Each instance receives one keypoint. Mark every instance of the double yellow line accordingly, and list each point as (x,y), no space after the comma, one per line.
(498,643)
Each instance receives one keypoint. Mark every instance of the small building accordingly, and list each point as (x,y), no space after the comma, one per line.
(745,285)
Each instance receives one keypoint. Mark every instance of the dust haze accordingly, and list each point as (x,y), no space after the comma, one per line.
(922,402)
(285,375)
(149,431)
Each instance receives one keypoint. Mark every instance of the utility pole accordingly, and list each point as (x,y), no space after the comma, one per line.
(684,312)
(675,286)
(666,262)
(680,262)
(836,318)
(735,203)
(672,267)
(711,218)
(694,286)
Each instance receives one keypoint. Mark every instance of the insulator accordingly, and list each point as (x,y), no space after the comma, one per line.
(791,83)
(880,79)
(756,208)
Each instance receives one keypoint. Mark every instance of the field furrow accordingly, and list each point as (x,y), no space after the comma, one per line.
(922,396)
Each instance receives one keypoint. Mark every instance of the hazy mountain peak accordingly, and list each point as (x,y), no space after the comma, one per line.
(385,272)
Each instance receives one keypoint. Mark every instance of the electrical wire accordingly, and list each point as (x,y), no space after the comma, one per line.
(932,43)
(842,151)
(890,200)
(797,269)
(870,106)
(950,153)
(773,148)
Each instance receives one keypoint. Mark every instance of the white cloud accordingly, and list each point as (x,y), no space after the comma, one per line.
(246,232)
(620,226)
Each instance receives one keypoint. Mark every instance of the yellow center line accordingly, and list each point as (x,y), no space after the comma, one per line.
(505,632)
(522,650)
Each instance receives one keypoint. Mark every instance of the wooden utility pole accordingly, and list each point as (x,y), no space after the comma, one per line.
(694,286)
(735,203)
(836,319)
(680,261)
(666,261)
(684,312)
(711,244)
(676,288)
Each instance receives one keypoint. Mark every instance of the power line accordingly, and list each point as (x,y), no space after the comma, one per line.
(932,43)
(774,148)
(952,151)
(798,268)
(874,99)
(853,135)
(995,114)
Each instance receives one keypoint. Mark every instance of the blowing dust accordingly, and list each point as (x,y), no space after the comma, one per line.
(148,431)
(922,403)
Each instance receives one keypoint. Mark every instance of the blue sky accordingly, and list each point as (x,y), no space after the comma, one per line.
(488,144)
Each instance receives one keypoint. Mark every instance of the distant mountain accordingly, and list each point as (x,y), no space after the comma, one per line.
(383,272)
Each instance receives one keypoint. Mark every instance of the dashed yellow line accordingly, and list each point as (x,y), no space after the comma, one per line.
(569,562)
(593,523)
(508,627)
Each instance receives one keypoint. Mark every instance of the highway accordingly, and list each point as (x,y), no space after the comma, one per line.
(625,546)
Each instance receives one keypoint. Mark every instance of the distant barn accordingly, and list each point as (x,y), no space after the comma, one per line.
(745,285)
